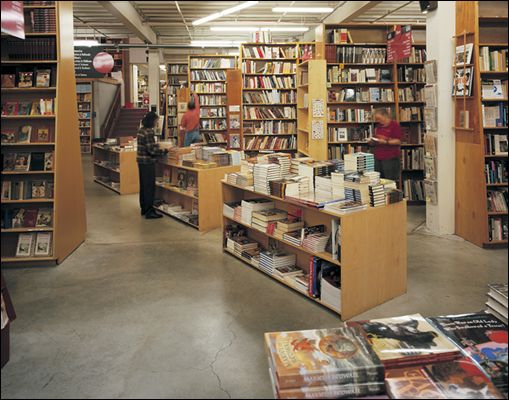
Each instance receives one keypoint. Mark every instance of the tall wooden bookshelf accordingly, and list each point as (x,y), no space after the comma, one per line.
(177,77)
(66,204)
(310,89)
(85,96)
(265,133)
(207,78)
(483,24)
(373,270)
(390,78)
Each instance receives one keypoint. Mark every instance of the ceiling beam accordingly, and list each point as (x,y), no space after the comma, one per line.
(126,13)
(349,10)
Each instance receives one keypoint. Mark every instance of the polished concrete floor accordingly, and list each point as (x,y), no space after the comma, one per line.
(153,309)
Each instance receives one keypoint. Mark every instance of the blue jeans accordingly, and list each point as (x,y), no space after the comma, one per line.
(192,137)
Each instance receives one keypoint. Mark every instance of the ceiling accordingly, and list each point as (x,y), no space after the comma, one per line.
(174,27)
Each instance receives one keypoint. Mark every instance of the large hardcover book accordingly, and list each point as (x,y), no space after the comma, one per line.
(484,338)
(324,357)
(457,379)
(407,340)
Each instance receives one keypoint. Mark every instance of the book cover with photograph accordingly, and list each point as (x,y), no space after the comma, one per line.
(8,81)
(43,135)
(25,243)
(43,244)
(462,82)
(22,162)
(457,379)
(10,108)
(24,134)
(322,357)
(42,78)
(48,161)
(25,79)
(44,218)
(38,189)
(406,340)
(484,338)
(8,135)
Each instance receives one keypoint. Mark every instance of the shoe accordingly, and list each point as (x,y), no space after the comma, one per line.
(152,215)
(143,212)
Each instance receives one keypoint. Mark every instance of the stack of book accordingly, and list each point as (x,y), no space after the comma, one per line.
(295,162)
(284,160)
(393,196)
(297,186)
(338,185)
(497,301)
(286,226)
(293,237)
(359,162)
(407,341)
(287,272)
(263,174)
(315,242)
(272,259)
(323,186)
(229,209)
(264,219)
(249,206)
(323,364)
(244,244)
(357,188)
(300,282)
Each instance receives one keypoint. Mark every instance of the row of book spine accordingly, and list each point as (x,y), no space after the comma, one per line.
(496,171)
(208,75)
(412,159)
(269,52)
(41,20)
(270,97)
(339,75)
(269,82)
(414,189)
(30,49)
(353,54)
(494,60)
(265,112)
(261,67)
(270,143)
(270,128)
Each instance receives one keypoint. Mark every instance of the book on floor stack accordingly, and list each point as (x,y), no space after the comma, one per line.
(497,301)
(482,337)
(456,379)
(272,259)
(327,363)
(407,341)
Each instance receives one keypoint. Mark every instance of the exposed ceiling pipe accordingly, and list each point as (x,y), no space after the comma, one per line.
(282,16)
(392,11)
(90,27)
(340,4)
(183,19)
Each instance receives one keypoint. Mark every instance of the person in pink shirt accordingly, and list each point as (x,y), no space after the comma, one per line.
(387,144)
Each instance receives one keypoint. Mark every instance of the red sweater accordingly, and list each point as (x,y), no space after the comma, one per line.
(384,151)
(191,119)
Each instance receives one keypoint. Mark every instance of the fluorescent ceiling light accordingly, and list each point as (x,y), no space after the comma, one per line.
(225,12)
(318,10)
(163,67)
(85,43)
(215,43)
(257,28)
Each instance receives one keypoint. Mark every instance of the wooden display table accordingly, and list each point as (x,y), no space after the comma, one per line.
(118,168)
(207,202)
(373,258)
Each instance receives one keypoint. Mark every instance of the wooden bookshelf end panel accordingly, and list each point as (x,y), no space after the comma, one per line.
(373,258)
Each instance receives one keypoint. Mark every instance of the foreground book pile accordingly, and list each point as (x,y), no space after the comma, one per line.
(409,357)
(497,301)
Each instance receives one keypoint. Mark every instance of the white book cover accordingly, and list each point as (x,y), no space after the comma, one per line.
(24,247)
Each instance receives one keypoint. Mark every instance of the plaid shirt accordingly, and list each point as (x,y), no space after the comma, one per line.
(148,149)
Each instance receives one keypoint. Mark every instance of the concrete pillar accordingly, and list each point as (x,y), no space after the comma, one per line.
(440,46)
(153,78)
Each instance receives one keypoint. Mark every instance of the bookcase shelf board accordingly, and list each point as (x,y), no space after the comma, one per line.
(369,275)
(57,194)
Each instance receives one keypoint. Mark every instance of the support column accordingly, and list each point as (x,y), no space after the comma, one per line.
(440,29)
(153,78)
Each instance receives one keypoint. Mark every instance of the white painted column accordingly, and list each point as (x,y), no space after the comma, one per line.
(153,78)
(440,46)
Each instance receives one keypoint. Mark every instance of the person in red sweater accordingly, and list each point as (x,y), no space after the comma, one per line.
(387,142)
(190,123)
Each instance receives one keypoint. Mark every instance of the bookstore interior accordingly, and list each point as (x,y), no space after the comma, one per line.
(323,190)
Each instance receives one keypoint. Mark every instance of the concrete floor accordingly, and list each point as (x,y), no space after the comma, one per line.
(153,309)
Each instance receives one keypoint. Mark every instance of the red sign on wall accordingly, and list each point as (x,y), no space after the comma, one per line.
(399,43)
(13,20)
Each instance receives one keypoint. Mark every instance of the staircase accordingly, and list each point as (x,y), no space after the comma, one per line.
(128,122)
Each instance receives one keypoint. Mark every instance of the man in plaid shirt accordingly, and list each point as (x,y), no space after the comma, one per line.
(148,151)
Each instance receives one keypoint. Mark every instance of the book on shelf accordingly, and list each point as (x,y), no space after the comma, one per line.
(498,200)
(498,229)
(496,144)
(494,115)
(40,20)
(267,52)
(216,62)
(463,54)
(327,363)
(269,82)
(462,81)
(30,49)
(339,36)
(335,74)
(493,89)
(357,55)
(492,60)
(267,67)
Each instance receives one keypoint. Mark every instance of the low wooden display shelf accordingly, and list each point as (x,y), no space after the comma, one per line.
(373,258)
(126,174)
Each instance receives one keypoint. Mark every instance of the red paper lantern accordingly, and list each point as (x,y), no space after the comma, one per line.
(103,62)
